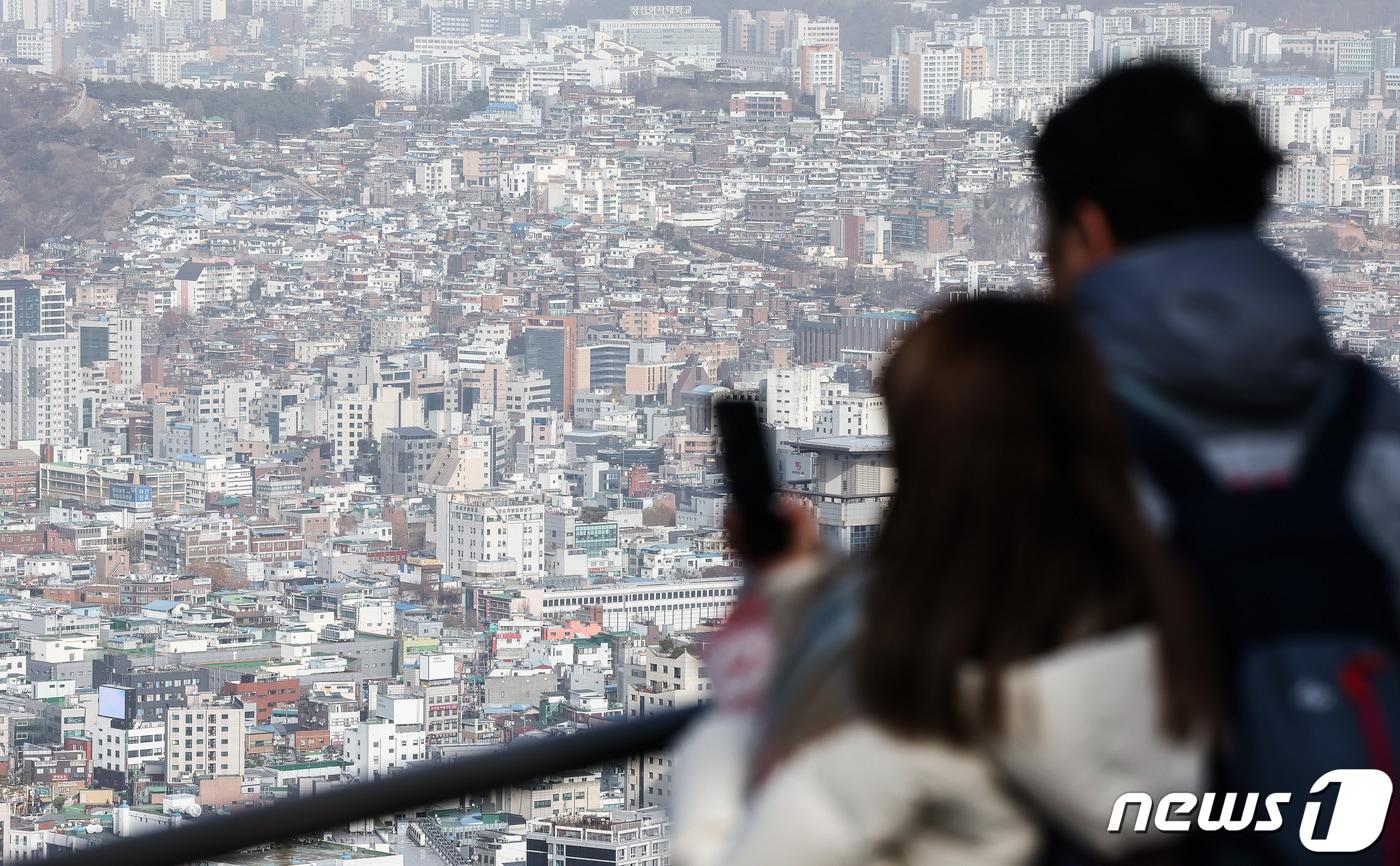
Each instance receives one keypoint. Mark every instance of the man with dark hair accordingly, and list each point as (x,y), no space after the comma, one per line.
(1153,191)
(1269,459)
(1145,153)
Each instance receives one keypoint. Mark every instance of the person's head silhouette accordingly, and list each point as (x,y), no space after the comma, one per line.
(1145,153)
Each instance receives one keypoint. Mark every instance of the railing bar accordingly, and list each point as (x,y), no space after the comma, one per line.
(209,837)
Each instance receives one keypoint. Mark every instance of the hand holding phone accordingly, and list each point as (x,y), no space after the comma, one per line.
(752,480)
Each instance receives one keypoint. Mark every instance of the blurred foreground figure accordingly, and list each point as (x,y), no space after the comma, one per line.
(1019,653)
(1271,462)
(1268,460)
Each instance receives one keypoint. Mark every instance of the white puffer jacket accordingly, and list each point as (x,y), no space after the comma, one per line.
(1082,729)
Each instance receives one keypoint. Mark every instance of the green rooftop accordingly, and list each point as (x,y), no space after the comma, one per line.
(308,765)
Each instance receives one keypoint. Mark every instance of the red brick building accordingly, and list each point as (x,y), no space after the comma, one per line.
(312,741)
(274,543)
(269,695)
(19,476)
(22,541)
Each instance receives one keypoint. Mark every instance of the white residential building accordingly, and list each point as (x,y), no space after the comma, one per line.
(227,402)
(379,746)
(1021,19)
(28,307)
(1192,30)
(166,67)
(490,534)
(671,605)
(396,330)
(365,413)
(658,682)
(853,415)
(201,284)
(1031,59)
(212,476)
(204,742)
(1380,197)
(124,335)
(43,48)
(794,396)
(1080,33)
(803,30)
(39,389)
(933,76)
(1310,178)
(119,747)
(819,68)
(531,392)
(1287,120)
(419,77)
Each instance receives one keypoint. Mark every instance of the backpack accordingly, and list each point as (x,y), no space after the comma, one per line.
(1304,614)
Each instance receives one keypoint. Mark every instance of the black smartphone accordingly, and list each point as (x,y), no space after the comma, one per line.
(752,480)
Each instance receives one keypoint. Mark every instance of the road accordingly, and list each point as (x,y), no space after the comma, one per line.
(84,110)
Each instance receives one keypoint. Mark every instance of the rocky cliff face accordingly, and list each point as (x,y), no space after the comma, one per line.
(64,171)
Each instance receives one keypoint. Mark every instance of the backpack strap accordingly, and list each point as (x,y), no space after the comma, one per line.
(1327,461)
(1166,458)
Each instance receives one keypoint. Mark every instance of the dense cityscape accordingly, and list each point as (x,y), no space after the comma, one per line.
(359,359)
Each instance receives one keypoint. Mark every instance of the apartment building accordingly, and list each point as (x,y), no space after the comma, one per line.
(490,534)
(638,837)
(204,742)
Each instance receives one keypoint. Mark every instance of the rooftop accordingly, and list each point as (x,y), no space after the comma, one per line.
(301,854)
(846,444)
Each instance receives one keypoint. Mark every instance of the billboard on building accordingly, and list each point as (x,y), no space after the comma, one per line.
(436,667)
(131,494)
(798,468)
(114,702)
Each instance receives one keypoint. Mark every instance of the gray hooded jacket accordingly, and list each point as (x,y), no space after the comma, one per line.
(1218,336)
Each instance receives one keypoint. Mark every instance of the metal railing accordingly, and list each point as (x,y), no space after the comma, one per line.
(207,838)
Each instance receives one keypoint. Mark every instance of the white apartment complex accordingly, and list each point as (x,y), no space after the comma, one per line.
(490,534)
(204,742)
(39,389)
(930,78)
(201,284)
(30,308)
(795,395)
(377,747)
(418,77)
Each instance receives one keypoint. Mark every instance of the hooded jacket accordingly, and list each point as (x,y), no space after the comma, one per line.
(1218,336)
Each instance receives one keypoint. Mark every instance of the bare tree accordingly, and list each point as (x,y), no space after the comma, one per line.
(659,514)
(222,578)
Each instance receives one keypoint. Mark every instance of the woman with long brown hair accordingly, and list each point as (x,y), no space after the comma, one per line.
(1025,651)
(1015,530)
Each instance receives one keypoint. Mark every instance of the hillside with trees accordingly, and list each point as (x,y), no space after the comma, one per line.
(63,171)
